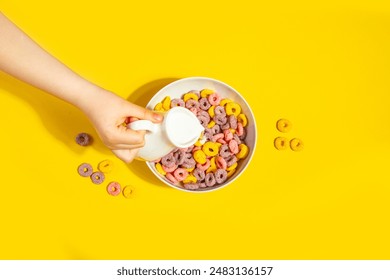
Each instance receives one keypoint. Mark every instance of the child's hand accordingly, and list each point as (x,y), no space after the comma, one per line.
(109,113)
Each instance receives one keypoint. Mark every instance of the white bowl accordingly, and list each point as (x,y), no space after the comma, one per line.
(177,88)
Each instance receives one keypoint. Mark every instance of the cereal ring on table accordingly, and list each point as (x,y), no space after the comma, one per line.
(166,103)
(159,107)
(114,188)
(220,119)
(232,120)
(204,166)
(190,179)
(233,146)
(242,119)
(83,139)
(296,144)
(231,167)
(204,121)
(168,160)
(219,110)
(85,169)
(283,125)
(191,186)
(97,177)
(180,174)
(233,108)
(210,149)
(189,96)
(171,178)
(228,135)
(224,151)
(189,163)
(128,191)
(169,169)
(281,143)
(211,111)
(206,92)
(204,104)
(214,99)
(221,162)
(220,176)
(243,151)
(179,157)
(159,169)
(231,160)
(216,129)
(199,174)
(177,102)
(217,136)
(210,179)
(225,101)
(106,166)
(191,103)
(200,157)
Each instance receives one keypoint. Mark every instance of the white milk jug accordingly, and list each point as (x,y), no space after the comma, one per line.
(179,129)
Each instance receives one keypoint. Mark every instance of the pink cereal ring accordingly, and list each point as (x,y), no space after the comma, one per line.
(114,188)
(233,146)
(217,136)
(204,166)
(228,135)
(196,148)
(170,168)
(240,129)
(221,162)
(194,111)
(171,178)
(221,141)
(180,174)
(214,99)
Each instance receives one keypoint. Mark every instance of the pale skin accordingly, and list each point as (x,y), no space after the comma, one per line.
(24,59)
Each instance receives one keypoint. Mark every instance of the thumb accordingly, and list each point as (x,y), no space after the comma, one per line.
(145,114)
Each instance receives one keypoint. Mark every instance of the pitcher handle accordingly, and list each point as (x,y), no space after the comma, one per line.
(143,125)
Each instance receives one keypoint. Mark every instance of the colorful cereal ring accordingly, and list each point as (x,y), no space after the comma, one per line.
(114,188)
(180,174)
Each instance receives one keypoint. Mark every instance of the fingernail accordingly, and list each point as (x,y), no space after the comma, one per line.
(157,117)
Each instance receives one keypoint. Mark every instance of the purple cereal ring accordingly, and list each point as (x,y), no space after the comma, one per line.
(199,174)
(97,177)
(231,160)
(232,121)
(189,163)
(85,170)
(233,146)
(216,129)
(191,186)
(214,99)
(210,179)
(220,119)
(219,110)
(177,102)
(179,157)
(208,136)
(225,126)
(228,135)
(235,137)
(170,168)
(204,121)
(202,185)
(220,176)
(180,174)
(204,104)
(224,151)
(83,139)
(205,114)
(191,103)
(168,160)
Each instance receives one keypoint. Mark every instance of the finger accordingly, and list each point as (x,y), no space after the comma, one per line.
(126,138)
(145,114)
(126,155)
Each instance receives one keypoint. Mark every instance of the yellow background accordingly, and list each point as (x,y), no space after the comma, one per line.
(325,67)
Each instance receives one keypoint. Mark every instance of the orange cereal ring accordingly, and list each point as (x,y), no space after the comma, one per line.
(200,156)
(180,174)
(242,119)
(166,103)
(232,108)
(210,149)
(160,169)
(283,125)
(296,144)
(189,96)
(204,166)
(243,151)
(169,169)
(281,143)
(221,162)
(171,178)
(206,92)
(240,129)
(233,146)
(228,135)
(114,188)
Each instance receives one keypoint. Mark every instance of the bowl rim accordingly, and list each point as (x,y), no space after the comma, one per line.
(206,190)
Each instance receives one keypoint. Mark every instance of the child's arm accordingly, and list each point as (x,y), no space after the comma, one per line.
(22,58)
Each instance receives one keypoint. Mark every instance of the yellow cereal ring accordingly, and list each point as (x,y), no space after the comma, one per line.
(190,169)
(198,143)
(230,173)
(160,169)
(211,111)
(281,143)
(128,191)
(296,144)
(210,149)
(166,103)
(211,124)
(206,92)
(232,108)
(232,130)
(242,119)
(243,151)
(283,125)
(189,96)
(200,157)
(232,167)
(190,179)
(106,166)
(158,107)
(225,101)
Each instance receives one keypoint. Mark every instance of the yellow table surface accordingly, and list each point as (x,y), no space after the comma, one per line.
(325,67)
